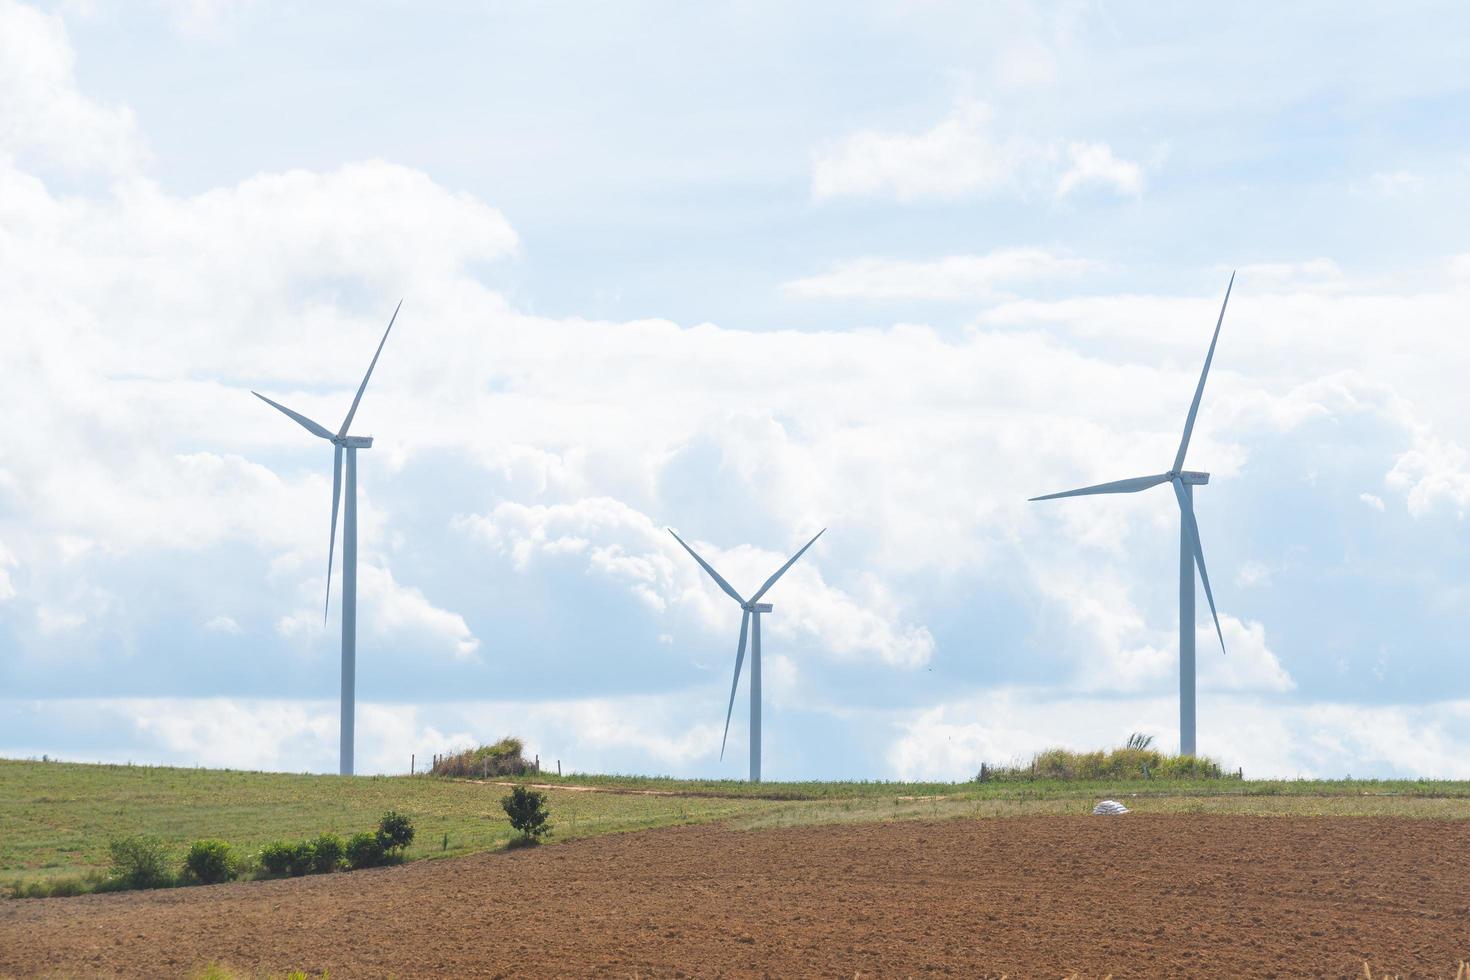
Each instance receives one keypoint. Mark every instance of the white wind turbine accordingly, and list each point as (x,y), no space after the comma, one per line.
(341,442)
(750,624)
(1190,551)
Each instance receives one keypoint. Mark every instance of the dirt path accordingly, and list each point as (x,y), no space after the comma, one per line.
(1039,896)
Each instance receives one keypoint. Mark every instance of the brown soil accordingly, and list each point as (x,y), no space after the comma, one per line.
(1040,896)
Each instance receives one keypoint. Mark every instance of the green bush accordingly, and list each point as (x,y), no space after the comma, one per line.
(327,853)
(275,857)
(139,861)
(527,811)
(364,850)
(303,856)
(211,861)
(395,833)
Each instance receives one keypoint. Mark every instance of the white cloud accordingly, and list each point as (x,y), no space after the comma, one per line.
(388,612)
(223,624)
(949,278)
(964,155)
(1431,472)
(1247,664)
(1276,740)
(1095,165)
(50,620)
(43,116)
(625,546)
(1372,500)
(7,562)
(590,735)
(1398,183)
(960,156)
(1253,574)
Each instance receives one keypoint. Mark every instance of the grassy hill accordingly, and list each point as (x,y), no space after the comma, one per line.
(56,818)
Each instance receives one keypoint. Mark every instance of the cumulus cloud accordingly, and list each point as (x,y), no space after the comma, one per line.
(620,543)
(964,155)
(223,624)
(952,277)
(1316,740)
(960,156)
(1432,472)
(44,117)
(1093,165)
(388,612)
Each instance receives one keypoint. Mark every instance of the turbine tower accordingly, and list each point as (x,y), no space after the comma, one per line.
(342,443)
(750,624)
(1191,553)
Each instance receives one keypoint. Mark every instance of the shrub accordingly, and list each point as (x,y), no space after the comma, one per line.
(139,861)
(395,833)
(527,811)
(211,861)
(327,853)
(275,857)
(303,856)
(364,850)
(501,759)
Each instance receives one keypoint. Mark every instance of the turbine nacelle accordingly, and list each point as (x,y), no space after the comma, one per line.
(353,442)
(760,607)
(1191,477)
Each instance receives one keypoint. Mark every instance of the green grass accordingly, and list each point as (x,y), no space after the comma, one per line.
(56,818)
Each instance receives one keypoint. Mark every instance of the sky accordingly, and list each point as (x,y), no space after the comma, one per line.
(747,271)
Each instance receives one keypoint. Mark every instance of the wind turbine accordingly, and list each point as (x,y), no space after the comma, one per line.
(342,443)
(750,624)
(1190,550)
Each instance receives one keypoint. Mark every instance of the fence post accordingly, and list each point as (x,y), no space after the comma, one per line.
(538,763)
(411,761)
(558,768)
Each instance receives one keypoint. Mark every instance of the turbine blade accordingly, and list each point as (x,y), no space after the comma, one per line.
(363,387)
(302,420)
(1199,392)
(782,570)
(1132,485)
(332,541)
(1186,511)
(709,568)
(735,682)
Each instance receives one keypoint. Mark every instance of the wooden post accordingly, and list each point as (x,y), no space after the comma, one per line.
(410,763)
(558,768)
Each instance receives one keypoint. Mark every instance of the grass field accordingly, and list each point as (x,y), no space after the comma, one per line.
(56,818)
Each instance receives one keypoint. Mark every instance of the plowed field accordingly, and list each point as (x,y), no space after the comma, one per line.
(1136,895)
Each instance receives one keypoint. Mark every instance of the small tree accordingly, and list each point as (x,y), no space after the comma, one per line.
(528,813)
(395,833)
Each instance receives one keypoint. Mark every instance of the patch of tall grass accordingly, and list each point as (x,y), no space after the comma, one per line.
(504,758)
(1124,763)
